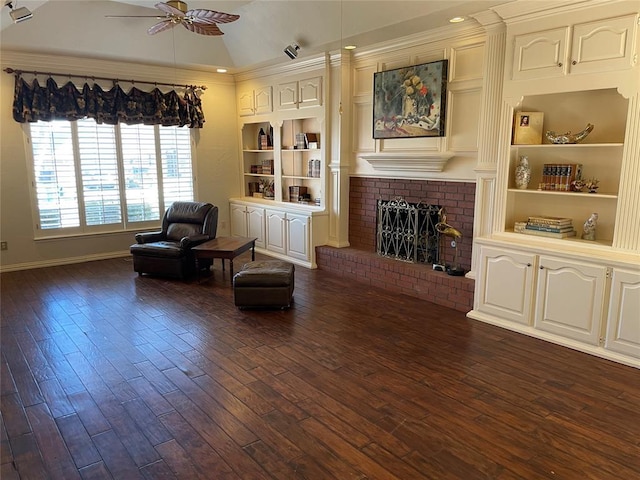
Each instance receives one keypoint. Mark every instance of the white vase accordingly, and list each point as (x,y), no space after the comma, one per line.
(589,227)
(523,173)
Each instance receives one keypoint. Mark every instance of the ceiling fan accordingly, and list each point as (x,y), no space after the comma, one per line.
(197,20)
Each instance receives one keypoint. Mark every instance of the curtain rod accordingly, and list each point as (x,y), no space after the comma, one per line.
(94,78)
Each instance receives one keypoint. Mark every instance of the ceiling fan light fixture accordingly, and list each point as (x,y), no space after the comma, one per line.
(178,4)
(292,51)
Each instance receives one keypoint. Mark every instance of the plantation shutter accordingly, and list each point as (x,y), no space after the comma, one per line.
(141,172)
(55,177)
(177,172)
(99,172)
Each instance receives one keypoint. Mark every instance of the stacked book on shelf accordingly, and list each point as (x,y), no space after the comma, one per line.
(302,141)
(560,176)
(314,168)
(266,168)
(554,227)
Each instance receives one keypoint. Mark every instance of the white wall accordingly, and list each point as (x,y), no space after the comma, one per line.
(216,159)
(464,49)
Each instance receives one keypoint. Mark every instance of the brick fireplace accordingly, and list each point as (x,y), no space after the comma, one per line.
(361,262)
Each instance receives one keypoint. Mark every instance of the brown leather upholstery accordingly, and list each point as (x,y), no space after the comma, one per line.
(168,252)
(266,283)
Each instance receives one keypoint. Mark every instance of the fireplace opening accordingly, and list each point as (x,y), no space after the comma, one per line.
(407,231)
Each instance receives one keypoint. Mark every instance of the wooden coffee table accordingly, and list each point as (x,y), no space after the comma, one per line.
(225,248)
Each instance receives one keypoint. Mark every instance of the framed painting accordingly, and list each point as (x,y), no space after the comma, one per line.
(411,101)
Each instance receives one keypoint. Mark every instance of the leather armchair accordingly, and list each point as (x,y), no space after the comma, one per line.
(168,251)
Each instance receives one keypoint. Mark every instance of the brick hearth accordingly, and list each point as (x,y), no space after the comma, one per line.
(361,263)
(414,279)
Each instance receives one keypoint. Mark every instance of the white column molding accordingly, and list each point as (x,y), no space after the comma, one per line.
(627,233)
(502,177)
(338,184)
(488,148)
(338,217)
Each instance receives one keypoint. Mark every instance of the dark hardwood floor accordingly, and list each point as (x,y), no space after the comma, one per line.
(109,375)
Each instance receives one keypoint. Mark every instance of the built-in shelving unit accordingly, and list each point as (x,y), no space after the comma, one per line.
(258,165)
(577,66)
(301,167)
(293,218)
(600,155)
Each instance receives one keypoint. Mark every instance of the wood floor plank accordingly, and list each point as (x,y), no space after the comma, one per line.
(158,471)
(315,452)
(27,457)
(106,374)
(115,456)
(90,415)
(201,455)
(78,441)
(216,437)
(352,456)
(58,463)
(147,421)
(13,415)
(177,459)
(219,413)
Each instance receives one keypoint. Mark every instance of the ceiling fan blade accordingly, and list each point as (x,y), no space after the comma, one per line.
(134,16)
(165,7)
(203,28)
(161,27)
(210,16)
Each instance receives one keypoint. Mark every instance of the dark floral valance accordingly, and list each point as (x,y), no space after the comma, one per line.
(33,102)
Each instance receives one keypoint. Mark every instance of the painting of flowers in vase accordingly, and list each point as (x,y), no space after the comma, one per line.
(410,101)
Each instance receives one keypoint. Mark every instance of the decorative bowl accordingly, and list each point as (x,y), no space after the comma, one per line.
(568,137)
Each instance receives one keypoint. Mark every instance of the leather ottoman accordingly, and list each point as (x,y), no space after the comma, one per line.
(264,283)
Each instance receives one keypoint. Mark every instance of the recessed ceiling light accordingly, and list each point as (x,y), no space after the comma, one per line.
(221,70)
(349,47)
(456,19)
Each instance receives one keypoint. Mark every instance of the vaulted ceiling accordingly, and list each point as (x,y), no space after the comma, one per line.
(265,28)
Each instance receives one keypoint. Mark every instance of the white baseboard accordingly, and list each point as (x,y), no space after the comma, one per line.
(62,261)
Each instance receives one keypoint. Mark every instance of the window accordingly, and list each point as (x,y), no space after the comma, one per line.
(91,177)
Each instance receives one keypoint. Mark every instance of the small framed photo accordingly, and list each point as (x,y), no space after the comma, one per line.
(527,128)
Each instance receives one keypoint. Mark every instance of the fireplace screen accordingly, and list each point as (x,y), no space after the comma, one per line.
(407,231)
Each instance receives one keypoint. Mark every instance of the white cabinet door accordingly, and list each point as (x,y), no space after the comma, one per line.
(255,225)
(276,231)
(623,321)
(238,220)
(602,46)
(263,100)
(298,236)
(310,92)
(540,54)
(569,298)
(252,102)
(288,96)
(505,286)
(305,93)
(246,103)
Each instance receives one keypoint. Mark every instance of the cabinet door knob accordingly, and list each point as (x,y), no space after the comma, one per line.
(574,63)
(528,264)
(560,64)
(541,267)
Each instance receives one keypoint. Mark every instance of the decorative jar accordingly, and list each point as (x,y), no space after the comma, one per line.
(523,173)
(589,227)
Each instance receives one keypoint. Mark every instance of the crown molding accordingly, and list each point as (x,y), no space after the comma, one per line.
(88,67)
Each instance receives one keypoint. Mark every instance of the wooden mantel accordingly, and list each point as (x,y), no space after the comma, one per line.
(408,162)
